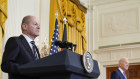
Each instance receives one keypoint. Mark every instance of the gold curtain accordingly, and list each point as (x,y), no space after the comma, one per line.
(3,14)
(3,17)
(76,28)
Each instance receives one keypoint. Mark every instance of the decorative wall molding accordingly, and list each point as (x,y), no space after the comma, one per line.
(106,2)
(119,22)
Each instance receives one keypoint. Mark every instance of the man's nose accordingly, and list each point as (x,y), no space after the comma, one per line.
(38,26)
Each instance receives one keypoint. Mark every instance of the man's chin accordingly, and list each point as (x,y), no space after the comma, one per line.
(126,68)
(36,35)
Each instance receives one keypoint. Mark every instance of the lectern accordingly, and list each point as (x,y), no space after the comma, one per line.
(62,65)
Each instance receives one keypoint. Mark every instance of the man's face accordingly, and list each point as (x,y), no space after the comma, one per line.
(125,64)
(33,27)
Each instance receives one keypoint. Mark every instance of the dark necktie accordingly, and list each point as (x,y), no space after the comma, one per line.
(124,75)
(34,50)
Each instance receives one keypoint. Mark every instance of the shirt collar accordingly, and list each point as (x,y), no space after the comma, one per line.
(121,70)
(27,38)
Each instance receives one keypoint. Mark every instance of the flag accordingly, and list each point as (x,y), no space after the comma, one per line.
(54,48)
(64,35)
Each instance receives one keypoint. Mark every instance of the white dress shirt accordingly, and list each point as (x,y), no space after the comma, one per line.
(28,40)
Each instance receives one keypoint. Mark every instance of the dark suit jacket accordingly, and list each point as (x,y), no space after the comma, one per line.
(17,53)
(117,75)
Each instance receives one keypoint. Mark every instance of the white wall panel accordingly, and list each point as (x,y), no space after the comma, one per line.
(44,21)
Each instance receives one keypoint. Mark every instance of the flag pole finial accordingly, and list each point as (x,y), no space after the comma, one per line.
(65,20)
(56,14)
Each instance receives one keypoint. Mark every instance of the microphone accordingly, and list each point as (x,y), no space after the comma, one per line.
(61,44)
(57,43)
(65,44)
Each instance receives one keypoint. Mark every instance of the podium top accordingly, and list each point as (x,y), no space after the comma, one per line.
(64,61)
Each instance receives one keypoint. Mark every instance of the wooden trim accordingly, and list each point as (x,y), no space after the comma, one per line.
(80,6)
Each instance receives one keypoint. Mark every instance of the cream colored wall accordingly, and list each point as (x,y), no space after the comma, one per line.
(17,9)
(114,25)
(117,23)
(44,22)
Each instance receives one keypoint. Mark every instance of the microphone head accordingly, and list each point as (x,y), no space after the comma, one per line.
(57,43)
(63,44)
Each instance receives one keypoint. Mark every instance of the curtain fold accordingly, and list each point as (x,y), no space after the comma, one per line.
(3,14)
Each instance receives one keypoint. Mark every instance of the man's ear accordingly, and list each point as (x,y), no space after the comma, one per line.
(24,26)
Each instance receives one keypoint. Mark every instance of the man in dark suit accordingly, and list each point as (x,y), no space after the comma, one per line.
(120,72)
(20,50)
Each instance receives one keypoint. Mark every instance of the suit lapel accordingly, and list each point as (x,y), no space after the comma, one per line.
(26,45)
(121,74)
